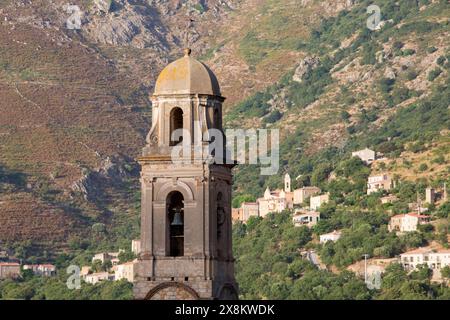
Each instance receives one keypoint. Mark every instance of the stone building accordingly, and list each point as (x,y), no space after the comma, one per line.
(278,200)
(317,201)
(302,194)
(407,222)
(46,270)
(434,258)
(95,278)
(379,182)
(305,218)
(125,271)
(247,210)
(186,250)
(430,195)
(366,155)
(9,270)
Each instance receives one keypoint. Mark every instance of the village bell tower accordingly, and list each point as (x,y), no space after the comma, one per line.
(186,250)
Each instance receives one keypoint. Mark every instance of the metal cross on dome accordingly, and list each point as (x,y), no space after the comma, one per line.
(190,24)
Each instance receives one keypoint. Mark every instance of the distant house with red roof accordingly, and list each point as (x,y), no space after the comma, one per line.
(407,222)
(9,270)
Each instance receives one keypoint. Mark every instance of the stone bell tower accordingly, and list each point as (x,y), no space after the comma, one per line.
(186,250)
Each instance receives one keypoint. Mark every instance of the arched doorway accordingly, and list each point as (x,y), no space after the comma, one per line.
(176,122)
(172,291)
(175,216)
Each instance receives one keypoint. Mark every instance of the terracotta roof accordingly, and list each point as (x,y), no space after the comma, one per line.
(9,264)
(411,215)
(426,250)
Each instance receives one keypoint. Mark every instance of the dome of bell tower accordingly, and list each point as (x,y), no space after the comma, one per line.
(187,76)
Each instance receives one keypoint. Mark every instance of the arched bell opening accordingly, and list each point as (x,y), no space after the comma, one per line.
(176,122)
(175,216)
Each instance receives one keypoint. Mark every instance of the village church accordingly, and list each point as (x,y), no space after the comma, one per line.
(186,245)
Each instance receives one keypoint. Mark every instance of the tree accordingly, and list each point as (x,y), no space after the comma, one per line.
(445,272)
(125,256)
(96,266)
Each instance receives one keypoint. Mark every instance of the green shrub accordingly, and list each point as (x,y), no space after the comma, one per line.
(439,159)
(431,50)
(345,115)
(274,116)
(408,52)
(386,85)
(434,74)
(441,61)
(411,75)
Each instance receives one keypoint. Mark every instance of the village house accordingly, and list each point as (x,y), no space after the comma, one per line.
(388,199)
(108,256)
(379,182)
(435,259)
(305,218)
(235,214)
(366,155)
(9,270)
(125,271)
(247,210)
(46,270)
(136,246)
(85,270)
(332,236)
(278,200)
(317,201)
(300,195)
(407,222)
(275,201)
(97,277)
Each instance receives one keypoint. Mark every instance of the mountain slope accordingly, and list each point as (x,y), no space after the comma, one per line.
(75,107)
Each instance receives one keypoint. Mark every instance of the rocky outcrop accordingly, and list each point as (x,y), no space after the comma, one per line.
(305,67)
(112,172)
(127,24)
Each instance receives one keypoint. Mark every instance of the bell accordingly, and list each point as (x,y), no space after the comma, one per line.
(177,218)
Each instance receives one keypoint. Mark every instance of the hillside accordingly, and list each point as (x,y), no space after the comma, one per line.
(357,88)
(75,102)
(75,107)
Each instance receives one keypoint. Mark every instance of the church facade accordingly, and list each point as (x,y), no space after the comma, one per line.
(186,245)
